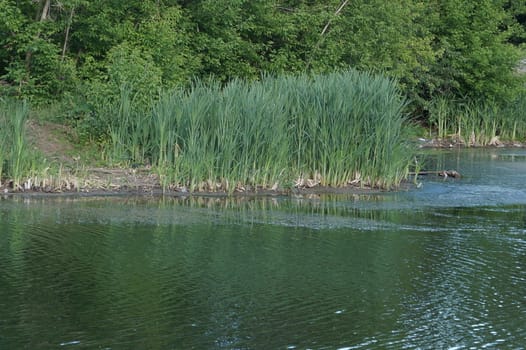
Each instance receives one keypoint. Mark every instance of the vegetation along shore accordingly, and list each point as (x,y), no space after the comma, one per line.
(251,97)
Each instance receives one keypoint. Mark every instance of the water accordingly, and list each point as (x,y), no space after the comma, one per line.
(440,267)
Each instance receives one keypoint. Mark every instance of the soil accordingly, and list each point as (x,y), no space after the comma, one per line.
(59,146)
(55,141)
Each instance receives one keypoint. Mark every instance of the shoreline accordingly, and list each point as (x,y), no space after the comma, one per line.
(456,142)
(157,191)
(144,182)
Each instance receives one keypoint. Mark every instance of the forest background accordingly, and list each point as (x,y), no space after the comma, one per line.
(54,50)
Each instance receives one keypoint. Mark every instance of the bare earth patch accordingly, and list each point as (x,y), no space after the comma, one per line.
(54,141)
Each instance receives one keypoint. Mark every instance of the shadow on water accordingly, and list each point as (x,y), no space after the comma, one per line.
(442,266)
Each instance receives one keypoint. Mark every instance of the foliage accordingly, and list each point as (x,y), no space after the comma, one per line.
(517,8)
(477,60)
(31,65)
(390,37)
(441,46)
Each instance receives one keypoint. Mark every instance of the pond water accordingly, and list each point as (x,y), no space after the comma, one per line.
(440,267)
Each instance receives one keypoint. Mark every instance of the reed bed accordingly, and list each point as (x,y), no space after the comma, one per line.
(479,123)
(17,160)
(279,132)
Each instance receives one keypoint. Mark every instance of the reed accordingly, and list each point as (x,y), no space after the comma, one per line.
(3,141)
(17,160)
(514,115)
(441,115)
(278,132)
(479,123)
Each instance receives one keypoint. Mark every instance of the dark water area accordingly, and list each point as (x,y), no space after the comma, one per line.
(442,266)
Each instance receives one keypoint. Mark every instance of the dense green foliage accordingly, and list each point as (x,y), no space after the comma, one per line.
(331,129)
(50,48)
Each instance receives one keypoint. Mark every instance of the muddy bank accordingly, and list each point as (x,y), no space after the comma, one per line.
(130,184)
(144,181)
(458,142)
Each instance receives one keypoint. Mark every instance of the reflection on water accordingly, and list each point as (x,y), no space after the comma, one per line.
(438,267)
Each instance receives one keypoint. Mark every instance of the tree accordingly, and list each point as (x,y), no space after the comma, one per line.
(477,59)
(517,9)
(390,37)
(31,61)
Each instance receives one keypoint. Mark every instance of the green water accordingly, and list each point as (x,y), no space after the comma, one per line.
(439,267)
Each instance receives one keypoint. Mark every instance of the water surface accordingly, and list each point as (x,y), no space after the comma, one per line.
(442,266)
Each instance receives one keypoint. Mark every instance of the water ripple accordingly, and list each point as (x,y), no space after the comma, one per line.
(394,271)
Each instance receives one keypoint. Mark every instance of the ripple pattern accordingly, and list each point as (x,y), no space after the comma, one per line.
(442,268)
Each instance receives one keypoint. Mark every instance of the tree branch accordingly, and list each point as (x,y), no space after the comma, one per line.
(342,5)
(66,38)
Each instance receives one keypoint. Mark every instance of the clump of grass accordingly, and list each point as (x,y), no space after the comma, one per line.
(514,115)
(441,116)
(17,160)
(278,132)
(128,128)
(479,123)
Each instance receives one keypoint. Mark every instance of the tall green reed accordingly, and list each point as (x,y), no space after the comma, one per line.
(125,119)
(17,159)
(514,115)
(335,128)
(4,141)
(477,122)
(441,115)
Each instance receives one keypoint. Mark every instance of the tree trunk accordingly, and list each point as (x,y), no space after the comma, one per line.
(66,37)
(45,11)
(41,17)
